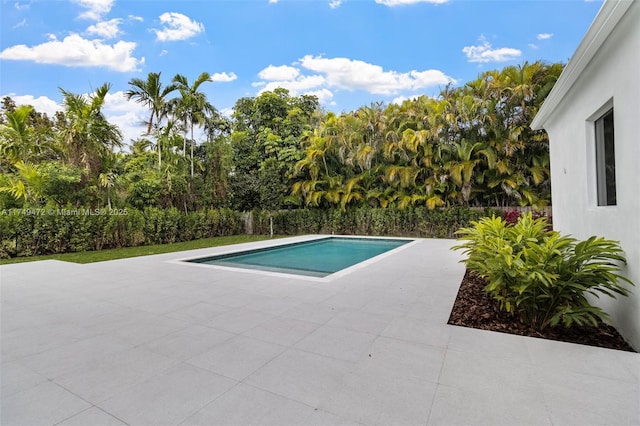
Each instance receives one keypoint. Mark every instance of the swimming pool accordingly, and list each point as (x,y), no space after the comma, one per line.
(315,258)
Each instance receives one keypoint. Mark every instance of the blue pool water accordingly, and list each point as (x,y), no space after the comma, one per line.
(317,258)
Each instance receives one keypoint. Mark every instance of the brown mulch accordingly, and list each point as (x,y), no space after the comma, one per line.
(476,309)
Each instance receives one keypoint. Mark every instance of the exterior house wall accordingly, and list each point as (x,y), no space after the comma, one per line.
(611,78)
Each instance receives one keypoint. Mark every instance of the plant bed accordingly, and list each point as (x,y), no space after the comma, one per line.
(475,308)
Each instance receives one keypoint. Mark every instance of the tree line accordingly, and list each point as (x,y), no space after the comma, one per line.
(469,146)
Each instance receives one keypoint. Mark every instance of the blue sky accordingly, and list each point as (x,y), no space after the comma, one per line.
(347,52)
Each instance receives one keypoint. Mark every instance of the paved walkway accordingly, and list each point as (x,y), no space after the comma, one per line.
(146,341)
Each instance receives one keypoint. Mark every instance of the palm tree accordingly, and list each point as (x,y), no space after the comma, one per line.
(87,135)
(16,135)
(27,184)
(150,93)
(192,105)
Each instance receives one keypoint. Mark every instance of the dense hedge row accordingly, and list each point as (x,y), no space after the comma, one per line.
(416,222)
(29,232)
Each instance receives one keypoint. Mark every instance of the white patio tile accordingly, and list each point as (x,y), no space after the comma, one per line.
(324,418)
(147,328)
(311,312)
(402,360)
(188,342)
(462,406)
(16,378)
(30,341)
(17,318)
(413,330)
(168,398)
(45,404)
(105,379)
(338,343)
(349,300)
(273,305)
(234,299)
(302,376)
(76,310)
(282,331)
(239,320)
(92,417)
(237,357)
(577,398)
(381,400)
(65,359)
(246,405)
(480,372)
(607,363)
(490,343)
(198,313)
(363,322)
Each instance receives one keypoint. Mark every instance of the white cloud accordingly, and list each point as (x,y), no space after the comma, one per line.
(20,24)
(127,115)
(533,46)
(323,95)
(343,73)
(135,18)
(282,72)
(163,52)
(300,85)
(41,103)
(177,27)
(544,36)
(95,8)
(226,112)
(75,51)
(223,77)
(353,74)
(288,77)
(273,1)
(486,53)
(19,6)
(106,29)
(392,3)
(335,3)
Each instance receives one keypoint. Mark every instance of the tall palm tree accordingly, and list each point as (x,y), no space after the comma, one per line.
(192,105)
(150,93)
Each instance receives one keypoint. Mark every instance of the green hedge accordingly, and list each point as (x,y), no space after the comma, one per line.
(417,222)
(28,232)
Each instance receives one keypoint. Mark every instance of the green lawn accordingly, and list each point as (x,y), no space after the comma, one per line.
(112,254)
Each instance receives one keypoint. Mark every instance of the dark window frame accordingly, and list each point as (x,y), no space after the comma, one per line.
(605,159)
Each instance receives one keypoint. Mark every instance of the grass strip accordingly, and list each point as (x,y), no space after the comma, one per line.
(122,253)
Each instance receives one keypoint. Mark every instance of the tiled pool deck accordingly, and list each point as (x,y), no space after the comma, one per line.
(145,341)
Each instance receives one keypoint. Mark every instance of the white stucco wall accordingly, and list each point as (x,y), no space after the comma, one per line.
(612,75)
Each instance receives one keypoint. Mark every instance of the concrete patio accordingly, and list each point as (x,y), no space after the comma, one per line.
(147,341)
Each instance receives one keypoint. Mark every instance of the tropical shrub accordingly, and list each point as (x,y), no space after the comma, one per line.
(540,276)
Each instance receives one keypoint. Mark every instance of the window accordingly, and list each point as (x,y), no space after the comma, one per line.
(605,160)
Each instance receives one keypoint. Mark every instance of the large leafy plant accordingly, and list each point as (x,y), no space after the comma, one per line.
(540,276)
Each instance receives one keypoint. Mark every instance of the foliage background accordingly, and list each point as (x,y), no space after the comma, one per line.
(393,169)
